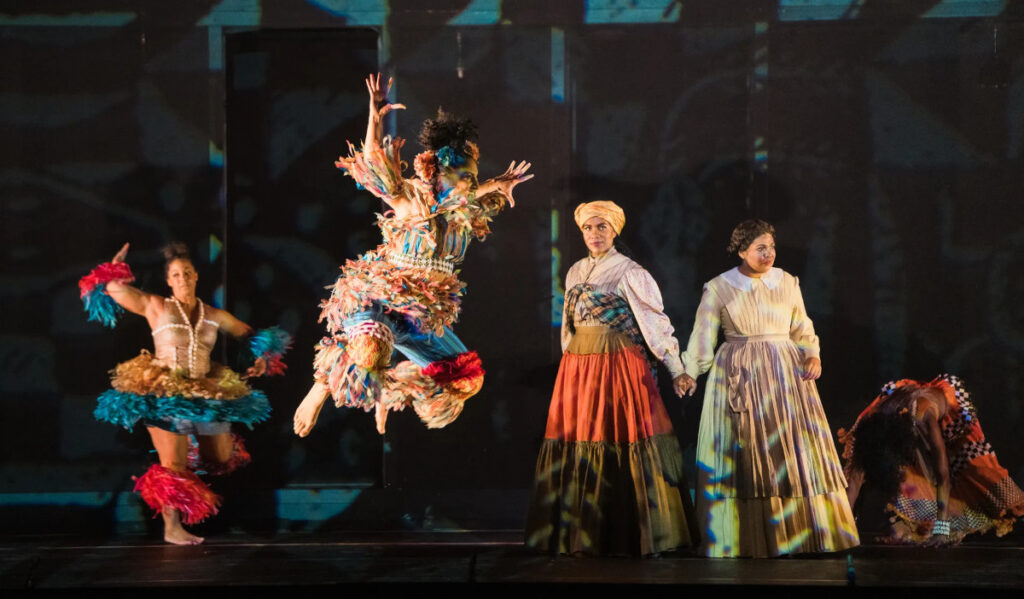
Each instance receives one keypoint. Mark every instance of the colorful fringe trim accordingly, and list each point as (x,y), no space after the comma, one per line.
(126,409)
(271,344)
(240,458)
(437,393)
(163,488)
(381,172)
(429,303)
(145,375)
(463,366)
(93,291)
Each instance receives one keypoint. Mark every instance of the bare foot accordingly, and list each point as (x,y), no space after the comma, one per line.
(381,416)
(174,533)
(182,537)
(309,410)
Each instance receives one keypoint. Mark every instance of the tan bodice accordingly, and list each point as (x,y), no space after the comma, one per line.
(177,344)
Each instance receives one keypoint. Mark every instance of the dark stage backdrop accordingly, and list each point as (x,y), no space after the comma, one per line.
(885,144)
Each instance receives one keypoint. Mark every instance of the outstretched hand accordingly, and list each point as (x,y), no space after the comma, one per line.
(258,368)
(120,255)
(379,105)
(514,175)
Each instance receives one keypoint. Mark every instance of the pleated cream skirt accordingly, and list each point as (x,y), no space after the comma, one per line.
(769,480)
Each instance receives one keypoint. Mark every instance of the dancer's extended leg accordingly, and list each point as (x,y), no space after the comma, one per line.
(172,449)
(349,368)
(309,410)
(442,375)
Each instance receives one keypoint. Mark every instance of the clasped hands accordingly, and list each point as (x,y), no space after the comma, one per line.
(685,385)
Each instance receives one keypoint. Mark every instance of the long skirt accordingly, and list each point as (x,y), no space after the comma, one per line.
(609,477)
(982,496)
(769,480)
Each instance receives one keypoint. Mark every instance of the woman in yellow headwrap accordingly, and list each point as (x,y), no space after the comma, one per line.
(609,477)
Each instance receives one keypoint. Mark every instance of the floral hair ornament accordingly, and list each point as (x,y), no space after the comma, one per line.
(449,158)
(425,165)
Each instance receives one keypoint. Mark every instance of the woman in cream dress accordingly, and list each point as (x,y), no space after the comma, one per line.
(769,481)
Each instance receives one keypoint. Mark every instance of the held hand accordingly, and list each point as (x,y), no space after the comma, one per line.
(514,175)
(679,385)
(379,105)
(812,369)
(120,255)
(684,385)
(258,368)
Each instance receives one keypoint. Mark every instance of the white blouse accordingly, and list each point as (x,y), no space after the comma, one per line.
(742,307)
(616,274)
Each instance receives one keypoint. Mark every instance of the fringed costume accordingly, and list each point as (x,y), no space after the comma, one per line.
(405,295)
(982,495)
(179,389)
(769,481)
(609,477)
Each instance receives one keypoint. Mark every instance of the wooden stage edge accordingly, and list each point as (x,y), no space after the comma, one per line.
(462,561)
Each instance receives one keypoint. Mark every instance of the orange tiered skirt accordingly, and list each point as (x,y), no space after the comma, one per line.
(609,478)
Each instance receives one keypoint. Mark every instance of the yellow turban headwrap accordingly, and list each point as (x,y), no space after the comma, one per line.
(609,211)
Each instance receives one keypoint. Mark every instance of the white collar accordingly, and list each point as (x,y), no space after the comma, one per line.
(734,277)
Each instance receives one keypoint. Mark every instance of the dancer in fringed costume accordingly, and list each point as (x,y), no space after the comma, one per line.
(609,477)
(185,401)
(405,295)
(922,446)
(769,481)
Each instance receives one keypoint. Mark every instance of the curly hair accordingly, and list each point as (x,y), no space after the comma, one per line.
(446,129)
(175,250)
(746,232)
(884,442)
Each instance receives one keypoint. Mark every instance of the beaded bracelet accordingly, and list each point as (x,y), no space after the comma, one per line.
(941,527)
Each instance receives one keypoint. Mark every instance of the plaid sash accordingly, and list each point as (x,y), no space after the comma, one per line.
(607,309)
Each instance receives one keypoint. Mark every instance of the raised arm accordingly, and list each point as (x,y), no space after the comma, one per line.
(106,292)
(377,166)
(379,107)
(129,297)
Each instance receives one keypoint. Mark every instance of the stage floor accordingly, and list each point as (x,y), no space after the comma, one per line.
(452,559)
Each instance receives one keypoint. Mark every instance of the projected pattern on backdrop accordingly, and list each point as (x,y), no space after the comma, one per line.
(885,144)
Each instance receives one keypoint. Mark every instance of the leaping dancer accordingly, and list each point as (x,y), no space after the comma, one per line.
(405,295)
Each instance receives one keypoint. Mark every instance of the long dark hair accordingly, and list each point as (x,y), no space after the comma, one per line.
(622,248)
(884,442)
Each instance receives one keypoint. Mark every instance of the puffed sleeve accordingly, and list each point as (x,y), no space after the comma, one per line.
(571,280)
(644,297)
(801,329)
(700,351)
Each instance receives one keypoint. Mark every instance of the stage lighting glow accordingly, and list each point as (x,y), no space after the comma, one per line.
(356,12)
(479,12)
(216,246)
